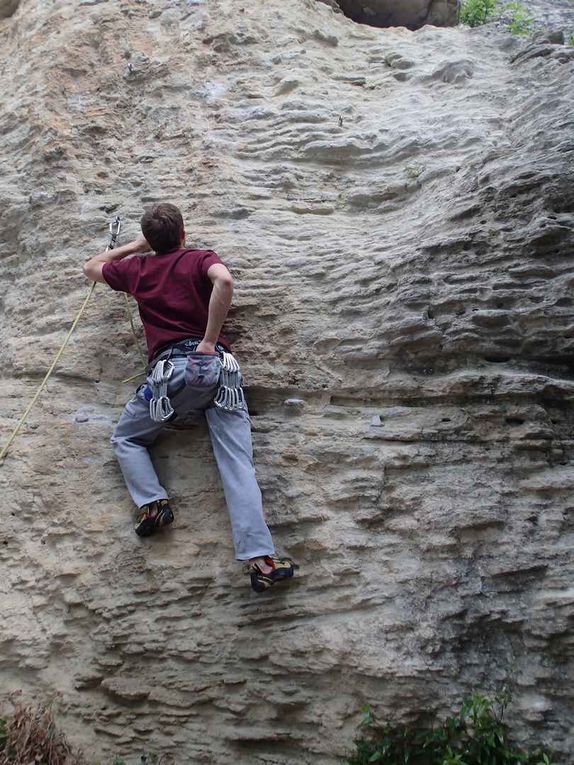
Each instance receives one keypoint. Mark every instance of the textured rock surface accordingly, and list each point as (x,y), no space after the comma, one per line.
(406,13)
(556,15)
(397,209)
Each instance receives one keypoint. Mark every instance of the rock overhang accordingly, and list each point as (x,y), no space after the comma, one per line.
(412,14)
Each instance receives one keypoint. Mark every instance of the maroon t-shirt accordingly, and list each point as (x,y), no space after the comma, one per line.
(172,291)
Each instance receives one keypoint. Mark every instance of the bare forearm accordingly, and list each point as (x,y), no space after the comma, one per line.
(93,268)
(219,305)
(116,254)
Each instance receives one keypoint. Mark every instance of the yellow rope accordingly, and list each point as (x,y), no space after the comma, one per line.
(22,419)
(135,377)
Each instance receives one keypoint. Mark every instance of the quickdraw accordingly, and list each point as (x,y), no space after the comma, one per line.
(115,228)
(230,394)
(160,408)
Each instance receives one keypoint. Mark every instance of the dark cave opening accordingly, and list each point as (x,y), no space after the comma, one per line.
(412,14)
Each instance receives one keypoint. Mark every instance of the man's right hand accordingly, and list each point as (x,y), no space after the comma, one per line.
(93,268)
(141,244)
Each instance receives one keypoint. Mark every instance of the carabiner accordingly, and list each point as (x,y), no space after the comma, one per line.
(115,228)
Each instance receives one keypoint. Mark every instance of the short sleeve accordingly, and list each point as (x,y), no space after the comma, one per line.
(121,275)
(207,259)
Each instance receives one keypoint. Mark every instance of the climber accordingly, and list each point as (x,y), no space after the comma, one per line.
(183,297)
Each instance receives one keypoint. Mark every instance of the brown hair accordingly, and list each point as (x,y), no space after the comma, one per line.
(162,226)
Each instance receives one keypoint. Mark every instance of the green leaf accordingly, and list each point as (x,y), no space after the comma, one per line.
(475,735)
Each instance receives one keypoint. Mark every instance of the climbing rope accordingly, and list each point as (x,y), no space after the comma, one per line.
(22,419)
(115,228)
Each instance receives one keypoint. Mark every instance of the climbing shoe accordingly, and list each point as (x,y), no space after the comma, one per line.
(281,568)
(152,517)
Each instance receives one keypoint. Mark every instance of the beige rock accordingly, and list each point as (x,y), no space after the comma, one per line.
(397,209)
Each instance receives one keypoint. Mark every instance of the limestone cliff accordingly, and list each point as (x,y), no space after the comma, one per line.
(397,209)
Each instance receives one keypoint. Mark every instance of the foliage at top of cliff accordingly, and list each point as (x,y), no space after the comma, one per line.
(513,15)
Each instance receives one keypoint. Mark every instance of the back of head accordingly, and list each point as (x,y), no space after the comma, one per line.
(162,226)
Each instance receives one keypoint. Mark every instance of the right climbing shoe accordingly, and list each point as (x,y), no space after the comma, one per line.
(281,569)
(153,517)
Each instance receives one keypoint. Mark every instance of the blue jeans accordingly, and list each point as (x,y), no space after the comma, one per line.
(230,434)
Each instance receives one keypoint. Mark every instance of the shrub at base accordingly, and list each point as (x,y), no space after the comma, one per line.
(29,735)
(475,736)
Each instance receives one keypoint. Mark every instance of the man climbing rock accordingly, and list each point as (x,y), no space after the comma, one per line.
(183,297)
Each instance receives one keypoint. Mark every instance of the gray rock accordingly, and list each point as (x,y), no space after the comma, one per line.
(294,404)
(455,72)
(333,4)
(554,36)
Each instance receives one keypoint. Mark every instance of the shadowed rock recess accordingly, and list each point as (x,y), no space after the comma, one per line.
(401,13)
(397,209)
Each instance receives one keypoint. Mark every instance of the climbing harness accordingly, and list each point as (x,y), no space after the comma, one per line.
(114,228)
(160,408)
(230,396)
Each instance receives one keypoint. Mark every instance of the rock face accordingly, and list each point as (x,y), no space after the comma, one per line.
(333,4)
(397,209)
(412,14)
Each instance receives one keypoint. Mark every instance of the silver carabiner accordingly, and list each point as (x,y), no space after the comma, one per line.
(161,409)
(115,228)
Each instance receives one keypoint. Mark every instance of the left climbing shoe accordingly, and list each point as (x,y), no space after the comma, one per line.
(281,569)
(153,517)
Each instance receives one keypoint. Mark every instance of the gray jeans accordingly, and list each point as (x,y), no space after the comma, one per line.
(230,434)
